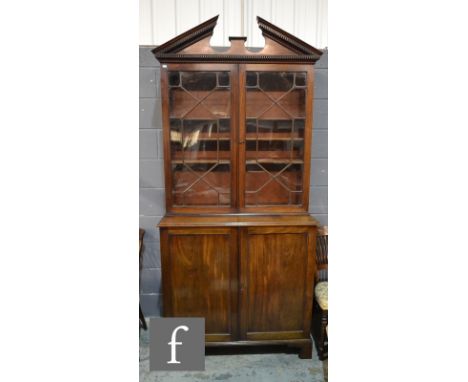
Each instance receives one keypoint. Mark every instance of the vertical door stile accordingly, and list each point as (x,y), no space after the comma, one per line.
(166,136)
(241,136)
(308,138)
(235,118)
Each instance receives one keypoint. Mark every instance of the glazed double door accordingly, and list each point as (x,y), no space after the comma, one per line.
(238,138)
(250,283)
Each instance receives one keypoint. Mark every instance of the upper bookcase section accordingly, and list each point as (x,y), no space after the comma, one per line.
(194,46)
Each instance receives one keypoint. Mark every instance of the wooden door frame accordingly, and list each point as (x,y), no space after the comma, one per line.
(268,67)
(208,67)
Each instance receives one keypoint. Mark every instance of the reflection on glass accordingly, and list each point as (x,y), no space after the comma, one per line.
(251,79)
(174,78)
(198,80)
(300,79)
(223,79)
(276,81)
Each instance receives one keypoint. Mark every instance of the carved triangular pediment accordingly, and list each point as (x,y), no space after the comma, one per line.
(194,46)
(188,38)
(285,39)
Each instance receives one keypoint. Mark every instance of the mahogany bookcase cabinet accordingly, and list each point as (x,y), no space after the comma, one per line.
(237,243)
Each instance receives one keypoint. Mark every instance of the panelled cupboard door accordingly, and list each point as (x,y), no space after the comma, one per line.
(200,278)
(277,272)
(200,113)
(275,124)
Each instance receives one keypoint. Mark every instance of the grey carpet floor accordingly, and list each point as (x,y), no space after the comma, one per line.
(239,367)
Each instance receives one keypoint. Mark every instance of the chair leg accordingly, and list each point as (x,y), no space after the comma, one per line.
(319,325)
(142,320)
(323,354)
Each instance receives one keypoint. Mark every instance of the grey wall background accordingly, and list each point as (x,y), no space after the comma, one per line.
(151,169)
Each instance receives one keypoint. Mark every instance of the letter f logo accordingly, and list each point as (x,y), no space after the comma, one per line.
(174,343)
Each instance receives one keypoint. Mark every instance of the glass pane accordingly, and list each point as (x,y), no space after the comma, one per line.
(257,102)
(198,80)
(200,134)
(201,184)
(180,102)
(223,79)
(293,103)
(275,110)
(276,81)
(251,79)
(300,79)
(217,104)
(174,79)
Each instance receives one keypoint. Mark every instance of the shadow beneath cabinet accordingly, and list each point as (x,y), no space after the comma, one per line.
(260,349)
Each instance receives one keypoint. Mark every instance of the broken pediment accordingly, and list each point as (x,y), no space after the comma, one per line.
(194,46)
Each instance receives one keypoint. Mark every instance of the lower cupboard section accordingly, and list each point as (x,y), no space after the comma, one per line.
(251,284)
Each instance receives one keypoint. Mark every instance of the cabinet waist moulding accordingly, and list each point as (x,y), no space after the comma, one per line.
(237,242)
